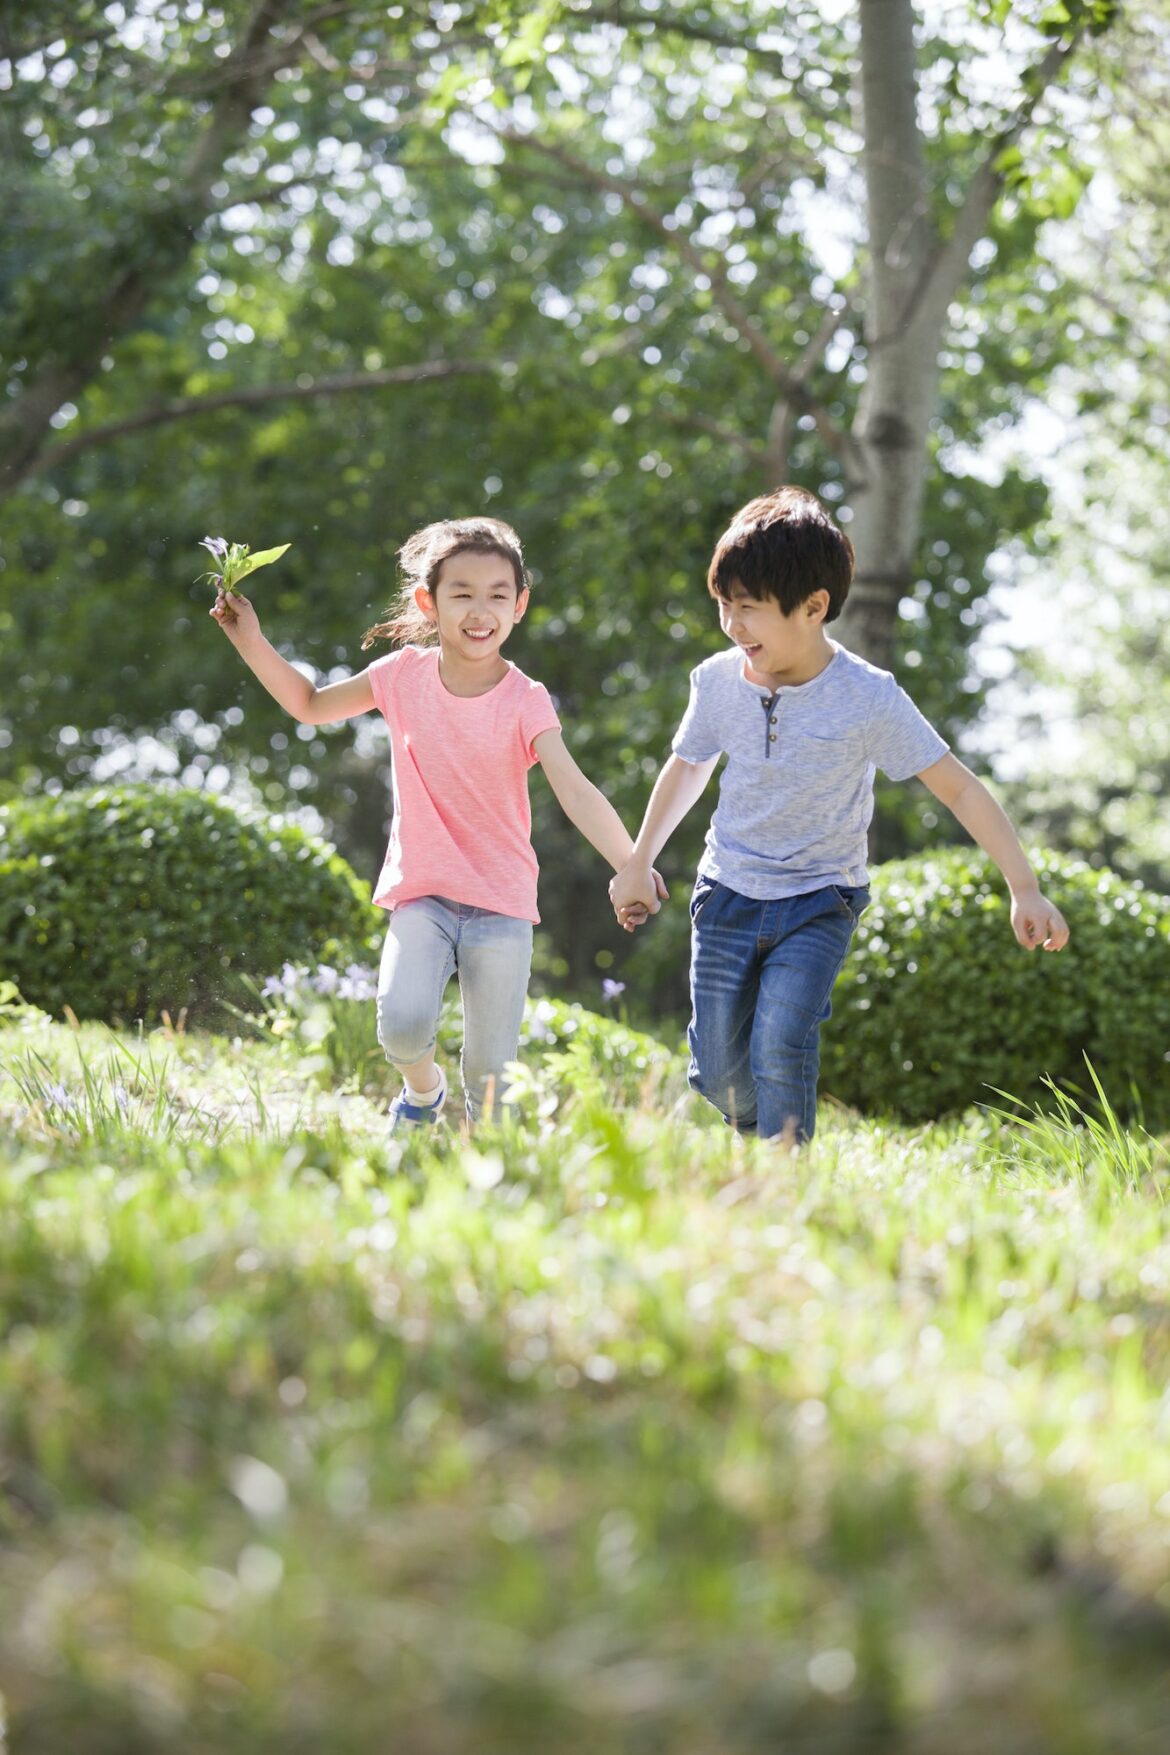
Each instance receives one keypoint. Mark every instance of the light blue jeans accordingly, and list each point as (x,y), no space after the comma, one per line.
(430,939)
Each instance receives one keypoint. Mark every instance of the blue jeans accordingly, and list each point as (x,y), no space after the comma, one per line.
(428,940)
(761,977)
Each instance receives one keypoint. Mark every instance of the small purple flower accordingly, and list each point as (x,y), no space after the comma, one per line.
(217,546)
(326,979)
(357,983)
(612,989)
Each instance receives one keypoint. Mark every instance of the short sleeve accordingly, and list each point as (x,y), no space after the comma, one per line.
(697,738)
(899,739)
(383,675)
(537,714)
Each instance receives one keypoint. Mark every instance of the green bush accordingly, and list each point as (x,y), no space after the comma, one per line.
(123,901)
(937,1005)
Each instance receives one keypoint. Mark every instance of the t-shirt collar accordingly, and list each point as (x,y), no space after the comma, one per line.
(793,689)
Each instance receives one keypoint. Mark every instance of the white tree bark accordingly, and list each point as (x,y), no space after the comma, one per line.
(914,275)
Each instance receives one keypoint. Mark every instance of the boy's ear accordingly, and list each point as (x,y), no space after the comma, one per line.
(425,601)
(816,607)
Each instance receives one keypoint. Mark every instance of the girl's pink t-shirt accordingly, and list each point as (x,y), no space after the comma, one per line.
(462,822)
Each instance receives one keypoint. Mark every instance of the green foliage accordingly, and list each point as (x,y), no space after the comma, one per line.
(619,420)
(938,1007)
(123,901)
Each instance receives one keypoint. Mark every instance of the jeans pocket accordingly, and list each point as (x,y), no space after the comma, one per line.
(704,889)
(854,900)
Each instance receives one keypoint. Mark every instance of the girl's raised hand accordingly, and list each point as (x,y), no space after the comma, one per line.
(236,616)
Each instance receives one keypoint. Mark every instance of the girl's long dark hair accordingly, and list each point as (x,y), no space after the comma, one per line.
(420,561)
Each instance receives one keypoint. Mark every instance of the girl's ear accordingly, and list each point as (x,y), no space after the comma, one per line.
(521,606)
(424,601)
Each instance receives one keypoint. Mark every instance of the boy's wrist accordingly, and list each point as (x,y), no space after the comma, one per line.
(1022,882)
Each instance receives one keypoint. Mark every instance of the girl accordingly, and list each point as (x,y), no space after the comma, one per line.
(465,726)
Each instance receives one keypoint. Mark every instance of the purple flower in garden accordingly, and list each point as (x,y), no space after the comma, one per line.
(612,989)
(357,983)
(327,979)
(284,985)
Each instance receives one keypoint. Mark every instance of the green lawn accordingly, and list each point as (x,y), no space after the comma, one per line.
(599,1435)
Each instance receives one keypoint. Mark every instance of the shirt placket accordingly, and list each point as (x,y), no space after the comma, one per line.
(770,718)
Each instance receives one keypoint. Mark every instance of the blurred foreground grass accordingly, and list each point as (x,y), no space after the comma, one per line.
(599,1436)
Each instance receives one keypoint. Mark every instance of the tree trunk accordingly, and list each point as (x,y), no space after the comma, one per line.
(903,333)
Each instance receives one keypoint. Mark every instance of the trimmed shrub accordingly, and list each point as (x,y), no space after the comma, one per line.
(937,1006)
(123,901)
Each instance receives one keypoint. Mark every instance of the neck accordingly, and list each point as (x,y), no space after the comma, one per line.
(459,676)
(802,669)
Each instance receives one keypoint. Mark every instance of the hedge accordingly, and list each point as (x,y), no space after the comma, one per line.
(123,901)
(937,1006)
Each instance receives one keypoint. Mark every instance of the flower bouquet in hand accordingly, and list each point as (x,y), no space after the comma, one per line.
(235,562)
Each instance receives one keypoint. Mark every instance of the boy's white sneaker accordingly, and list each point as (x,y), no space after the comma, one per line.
(405,1115)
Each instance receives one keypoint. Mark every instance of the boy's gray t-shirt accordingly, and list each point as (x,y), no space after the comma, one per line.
(796,795)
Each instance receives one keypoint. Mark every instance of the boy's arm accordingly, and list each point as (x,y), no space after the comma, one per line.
(284,682)
(1034,919)
(677,788)
(586,808)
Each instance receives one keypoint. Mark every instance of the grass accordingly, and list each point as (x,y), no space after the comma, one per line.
(599,1434)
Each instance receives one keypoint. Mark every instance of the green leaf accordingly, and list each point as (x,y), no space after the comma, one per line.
(264,558)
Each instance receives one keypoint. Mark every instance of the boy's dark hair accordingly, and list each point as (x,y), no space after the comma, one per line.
(783,545)
(420,561)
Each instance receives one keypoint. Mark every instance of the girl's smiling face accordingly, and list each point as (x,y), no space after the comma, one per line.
(474,605)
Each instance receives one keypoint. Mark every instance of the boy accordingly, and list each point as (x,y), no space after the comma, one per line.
(782,884)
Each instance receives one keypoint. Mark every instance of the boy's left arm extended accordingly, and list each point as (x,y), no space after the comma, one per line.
(1035,921)
(587,808)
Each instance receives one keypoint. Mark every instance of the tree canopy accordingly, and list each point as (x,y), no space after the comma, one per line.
(320,273)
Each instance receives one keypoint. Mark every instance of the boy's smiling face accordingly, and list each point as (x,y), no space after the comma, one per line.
(779,650)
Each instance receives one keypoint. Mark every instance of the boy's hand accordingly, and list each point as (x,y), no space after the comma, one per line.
(636,887)
(236,617)
(1036,922)
(632,918)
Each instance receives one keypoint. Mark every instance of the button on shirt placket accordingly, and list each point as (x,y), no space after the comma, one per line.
(768,705)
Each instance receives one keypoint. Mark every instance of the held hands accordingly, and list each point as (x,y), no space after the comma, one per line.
(636,891)
(1036,923)
(236,617)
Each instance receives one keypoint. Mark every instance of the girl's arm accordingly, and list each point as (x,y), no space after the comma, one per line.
(586,808)
(284,682)
(677,788)
(1034,919)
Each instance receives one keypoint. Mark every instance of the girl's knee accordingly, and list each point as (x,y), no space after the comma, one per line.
(404,1035)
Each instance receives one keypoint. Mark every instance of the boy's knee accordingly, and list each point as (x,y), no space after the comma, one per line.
(736,1104)
(788,1030)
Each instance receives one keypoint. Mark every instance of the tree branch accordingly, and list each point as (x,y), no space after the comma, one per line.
(944,271)
(729,436)
(702,267)
(257,396)
(629,17)
(788,381)
(137,271)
